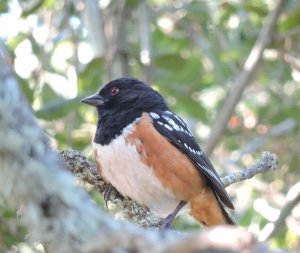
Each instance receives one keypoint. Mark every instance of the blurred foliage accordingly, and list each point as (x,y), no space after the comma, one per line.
(191,51)
(11,233)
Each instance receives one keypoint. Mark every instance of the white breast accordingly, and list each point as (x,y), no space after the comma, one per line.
(123,168)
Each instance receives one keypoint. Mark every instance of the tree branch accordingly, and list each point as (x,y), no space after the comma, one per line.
(267,162)
(87,172)
(145,40)
(93,19)
(244,79)
(55,210)
(130,209)
(293,199)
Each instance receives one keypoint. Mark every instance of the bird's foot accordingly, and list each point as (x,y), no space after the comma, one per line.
(166,223)
(106,194)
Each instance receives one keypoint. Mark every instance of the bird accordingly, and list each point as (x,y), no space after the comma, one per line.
(149,154)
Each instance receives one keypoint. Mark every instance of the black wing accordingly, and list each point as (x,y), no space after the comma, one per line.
(176,131)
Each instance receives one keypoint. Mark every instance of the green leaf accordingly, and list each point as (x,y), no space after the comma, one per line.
(3,6)
(28,92)
(33,8)
(49,3)
(258,9)
(16,40)
(285,112)
(192,108)
(48,94)
(132,3)
(57,109)
(292,20)
(170,62)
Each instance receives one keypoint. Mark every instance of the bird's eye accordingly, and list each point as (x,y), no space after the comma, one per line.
(114,91)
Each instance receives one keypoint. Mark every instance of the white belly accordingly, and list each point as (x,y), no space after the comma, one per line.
(123,168)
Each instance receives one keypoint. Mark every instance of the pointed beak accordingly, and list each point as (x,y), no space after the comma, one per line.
(94,100)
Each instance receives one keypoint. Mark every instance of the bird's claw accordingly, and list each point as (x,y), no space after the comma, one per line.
(165,223)
(106,194)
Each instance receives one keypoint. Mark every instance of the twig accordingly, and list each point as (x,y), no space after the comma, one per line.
(115,18)
(121,51)
(93,19)
(145,40)
(284,213)
(245,78)
(87,172)
(267,162)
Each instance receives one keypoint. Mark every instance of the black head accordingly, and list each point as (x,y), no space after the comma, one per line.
(126,94)
(119,103)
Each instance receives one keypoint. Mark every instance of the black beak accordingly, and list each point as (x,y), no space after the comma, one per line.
(93,100)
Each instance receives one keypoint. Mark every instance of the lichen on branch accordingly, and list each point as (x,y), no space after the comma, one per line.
(86,171)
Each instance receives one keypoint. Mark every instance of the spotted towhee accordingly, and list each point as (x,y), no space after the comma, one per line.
(149,154)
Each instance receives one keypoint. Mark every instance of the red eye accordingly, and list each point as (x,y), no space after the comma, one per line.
(114,91)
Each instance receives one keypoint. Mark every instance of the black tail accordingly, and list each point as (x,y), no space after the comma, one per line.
(227,216)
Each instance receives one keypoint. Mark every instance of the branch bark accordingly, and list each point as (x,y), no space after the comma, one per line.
(55,211)
(267,162)
(130,209)
(244,79)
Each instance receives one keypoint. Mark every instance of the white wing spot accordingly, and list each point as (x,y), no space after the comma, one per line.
(181,126)
(192,150)
(154,115)
(168,127)
(160,123)
(172,122)
(186,145)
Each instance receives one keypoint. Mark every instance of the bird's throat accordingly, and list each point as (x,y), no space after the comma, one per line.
(110,125)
